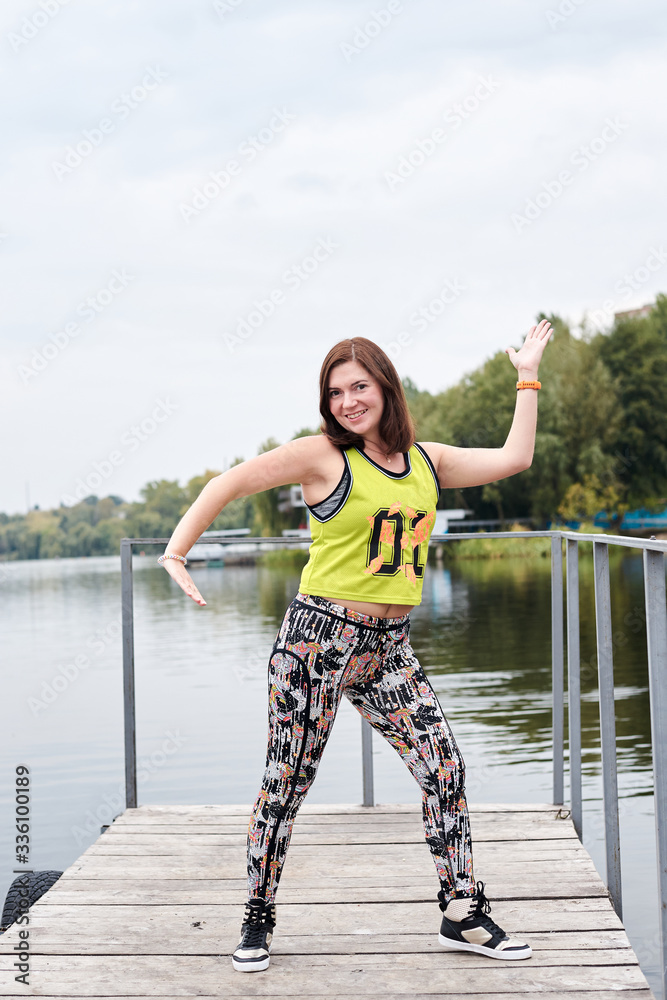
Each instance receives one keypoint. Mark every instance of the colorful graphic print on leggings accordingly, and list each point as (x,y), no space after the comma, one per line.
(323,651)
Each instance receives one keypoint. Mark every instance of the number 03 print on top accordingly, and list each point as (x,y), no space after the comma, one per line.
(370,536)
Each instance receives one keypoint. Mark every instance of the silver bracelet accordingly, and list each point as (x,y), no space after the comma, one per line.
(172,555)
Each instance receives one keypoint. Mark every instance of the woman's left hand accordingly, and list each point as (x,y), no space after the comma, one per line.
(528,358)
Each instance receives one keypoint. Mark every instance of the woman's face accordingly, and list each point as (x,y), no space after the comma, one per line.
(355,398)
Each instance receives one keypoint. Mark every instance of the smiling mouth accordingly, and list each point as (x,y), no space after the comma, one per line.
(359,413)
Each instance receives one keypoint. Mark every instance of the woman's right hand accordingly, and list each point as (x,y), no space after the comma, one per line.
(179,573)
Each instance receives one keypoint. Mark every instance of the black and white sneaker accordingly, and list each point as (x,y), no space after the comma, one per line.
(476,931)
(252,954)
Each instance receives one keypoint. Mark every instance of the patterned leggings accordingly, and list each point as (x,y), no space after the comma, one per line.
(323,651)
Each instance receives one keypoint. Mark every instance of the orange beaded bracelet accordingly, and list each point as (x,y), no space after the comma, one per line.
(526,384)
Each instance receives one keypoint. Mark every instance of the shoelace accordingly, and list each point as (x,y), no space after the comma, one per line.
(482,910)
(254,926)
(483,905)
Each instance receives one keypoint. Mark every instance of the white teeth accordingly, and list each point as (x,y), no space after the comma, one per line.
(350,416)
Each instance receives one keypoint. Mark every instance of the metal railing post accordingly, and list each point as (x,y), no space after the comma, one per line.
(367,762)
(557,712)
(573,681)
(607,722)
(656,636)
(128,674)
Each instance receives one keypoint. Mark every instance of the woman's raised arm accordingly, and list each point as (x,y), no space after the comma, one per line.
(461,467)
(294,462)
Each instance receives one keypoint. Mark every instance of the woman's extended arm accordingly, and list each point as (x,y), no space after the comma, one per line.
(460,467)
(294,462)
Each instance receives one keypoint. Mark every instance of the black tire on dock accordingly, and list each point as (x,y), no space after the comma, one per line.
(18,900)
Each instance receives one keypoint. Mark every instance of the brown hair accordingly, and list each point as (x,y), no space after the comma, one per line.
(397,428)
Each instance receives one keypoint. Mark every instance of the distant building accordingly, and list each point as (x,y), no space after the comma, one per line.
(636,313)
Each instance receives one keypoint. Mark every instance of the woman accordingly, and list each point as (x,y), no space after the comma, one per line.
(372,492)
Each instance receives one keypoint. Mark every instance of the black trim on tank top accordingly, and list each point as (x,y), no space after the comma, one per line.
(392,475)
(324,510)
(432,468)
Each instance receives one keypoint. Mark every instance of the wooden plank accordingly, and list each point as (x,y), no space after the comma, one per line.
(343,918)
(366,851)
(346,871)
(592,912)
(231,861)
(320,975)
(556,850)
(150,938)
(142,930)
(325,892)
(351,814)
(185,843)
(568,867)
(630,994)
(352,820)
(365,855)
(500,829)
(355,819)
(337,945)
(192,929)
(493,832)
(329,808)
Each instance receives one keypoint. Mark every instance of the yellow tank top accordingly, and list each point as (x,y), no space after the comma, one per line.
(371,534)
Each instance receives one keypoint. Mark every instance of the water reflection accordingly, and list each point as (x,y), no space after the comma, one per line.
(492,619)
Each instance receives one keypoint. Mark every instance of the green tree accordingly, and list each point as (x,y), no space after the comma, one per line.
(306,432)
(578,417)
(109,532)
(635,353)
(194,486)
(80,541)
(237,513)
(583,501)
(165,497)
(268,520)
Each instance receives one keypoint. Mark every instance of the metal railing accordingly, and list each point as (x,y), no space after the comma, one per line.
(656,630)
(127,616)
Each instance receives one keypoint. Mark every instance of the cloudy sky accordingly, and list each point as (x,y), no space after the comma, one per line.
(200,199)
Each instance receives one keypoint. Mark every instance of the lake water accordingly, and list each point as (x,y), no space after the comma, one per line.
(483,634)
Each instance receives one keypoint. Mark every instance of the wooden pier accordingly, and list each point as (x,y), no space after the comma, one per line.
(153,909)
